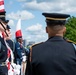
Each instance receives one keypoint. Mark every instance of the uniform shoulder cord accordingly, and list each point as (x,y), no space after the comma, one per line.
(30,53)
(31,49)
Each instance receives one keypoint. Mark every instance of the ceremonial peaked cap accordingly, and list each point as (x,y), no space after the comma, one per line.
(55,18)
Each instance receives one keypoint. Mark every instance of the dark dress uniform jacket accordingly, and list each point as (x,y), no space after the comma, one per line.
(3,51)
(56,56)
(19,52)
(3,57)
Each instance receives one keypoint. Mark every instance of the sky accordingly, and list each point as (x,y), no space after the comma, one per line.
(32,21)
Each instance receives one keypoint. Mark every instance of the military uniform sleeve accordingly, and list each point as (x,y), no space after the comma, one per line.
(20,52)
(28,66)
(73,43)
(3,53)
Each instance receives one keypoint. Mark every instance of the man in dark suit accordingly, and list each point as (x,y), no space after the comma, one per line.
(55,56)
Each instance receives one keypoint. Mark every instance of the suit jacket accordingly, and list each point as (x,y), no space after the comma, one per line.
(56,56)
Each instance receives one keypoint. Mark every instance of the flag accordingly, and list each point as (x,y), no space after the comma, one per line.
(2,6)
(18,29)
(3,12)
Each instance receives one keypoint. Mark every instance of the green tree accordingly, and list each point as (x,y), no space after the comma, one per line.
(71,29)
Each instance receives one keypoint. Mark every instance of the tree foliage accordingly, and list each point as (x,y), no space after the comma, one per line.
(71,29)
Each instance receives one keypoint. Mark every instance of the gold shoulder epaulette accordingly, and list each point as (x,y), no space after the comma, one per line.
(36,44)
(31,49)
(71,41)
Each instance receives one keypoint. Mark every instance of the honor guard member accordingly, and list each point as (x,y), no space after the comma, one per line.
(55,56)
(3,48)
(10,60)
(20,55)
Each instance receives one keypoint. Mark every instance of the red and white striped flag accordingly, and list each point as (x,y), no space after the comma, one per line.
(2,6)
(18,29)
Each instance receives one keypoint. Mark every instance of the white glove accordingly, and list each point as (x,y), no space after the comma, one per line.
(17,70)
(13,64)
(24,58)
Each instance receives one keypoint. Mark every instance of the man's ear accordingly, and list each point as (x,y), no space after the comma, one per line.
(46,29)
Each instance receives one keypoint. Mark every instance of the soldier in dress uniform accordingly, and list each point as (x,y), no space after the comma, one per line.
(3,48)
(56,56)
(19,50)
(20,54)
(10,57)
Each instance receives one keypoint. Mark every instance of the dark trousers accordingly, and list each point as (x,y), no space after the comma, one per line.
(3,70)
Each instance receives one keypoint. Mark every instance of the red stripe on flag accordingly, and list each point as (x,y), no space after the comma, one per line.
(2,10)
(1,3)
(1,0)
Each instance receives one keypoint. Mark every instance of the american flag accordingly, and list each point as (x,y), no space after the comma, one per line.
(2,6)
